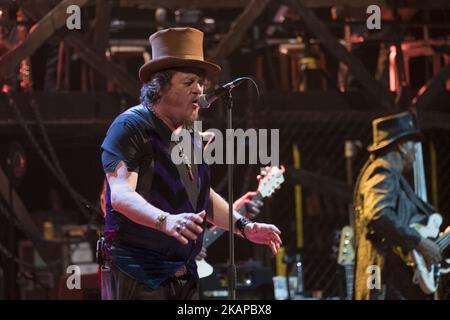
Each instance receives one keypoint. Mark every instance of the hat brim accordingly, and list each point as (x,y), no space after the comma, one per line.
(416,136)
(160,64)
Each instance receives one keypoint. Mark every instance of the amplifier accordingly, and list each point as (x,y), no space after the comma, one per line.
(254,282)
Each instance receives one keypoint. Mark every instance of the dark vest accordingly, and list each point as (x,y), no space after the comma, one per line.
(167,193)
(151,247)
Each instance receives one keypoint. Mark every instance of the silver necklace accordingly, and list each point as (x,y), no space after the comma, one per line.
(181,151)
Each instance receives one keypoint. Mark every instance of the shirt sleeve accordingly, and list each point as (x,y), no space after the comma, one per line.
(380,199)
(123,142)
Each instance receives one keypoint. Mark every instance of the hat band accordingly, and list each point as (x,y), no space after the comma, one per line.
(186,56)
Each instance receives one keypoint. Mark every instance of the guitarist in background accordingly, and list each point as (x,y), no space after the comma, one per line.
(385,207)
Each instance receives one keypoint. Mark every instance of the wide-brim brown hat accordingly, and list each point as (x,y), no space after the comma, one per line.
(174,48)
(390,129)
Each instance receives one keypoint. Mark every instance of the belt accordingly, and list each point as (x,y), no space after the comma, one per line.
(181,272)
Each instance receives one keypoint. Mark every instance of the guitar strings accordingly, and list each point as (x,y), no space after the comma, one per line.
(444,241)
(444,238)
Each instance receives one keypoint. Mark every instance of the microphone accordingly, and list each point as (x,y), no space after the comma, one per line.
(205,100)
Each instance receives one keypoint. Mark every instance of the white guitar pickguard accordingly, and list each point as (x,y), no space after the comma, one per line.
(204,269)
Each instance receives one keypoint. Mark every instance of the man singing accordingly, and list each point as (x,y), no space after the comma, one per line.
(156,211)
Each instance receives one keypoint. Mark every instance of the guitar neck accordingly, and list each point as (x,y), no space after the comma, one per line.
(349,281)
(444,241)
(212,235)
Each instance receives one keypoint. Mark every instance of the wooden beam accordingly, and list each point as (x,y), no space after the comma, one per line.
(44,29)
(238,29)
(342,3)
(219,4)
(102,21)
(318,28)
(19,209)
(429,120)
(434,87)
(99,62)
(110,70)
(363,4)
(404,96)
(74,109)
(176,4)
(27,223)
(44,6)
(101,35)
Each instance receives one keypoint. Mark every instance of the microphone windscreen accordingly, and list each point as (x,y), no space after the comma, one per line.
(203,102)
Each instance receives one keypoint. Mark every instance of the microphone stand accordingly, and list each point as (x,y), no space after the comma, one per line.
(230,158)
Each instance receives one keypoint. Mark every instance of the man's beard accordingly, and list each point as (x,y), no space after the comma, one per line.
(188,122)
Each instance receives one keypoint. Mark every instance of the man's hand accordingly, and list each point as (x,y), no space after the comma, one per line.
(252,208)
(430,252)
(184,225)
(263,233)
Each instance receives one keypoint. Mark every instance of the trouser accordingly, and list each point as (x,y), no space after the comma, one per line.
(398,282)
(116,285)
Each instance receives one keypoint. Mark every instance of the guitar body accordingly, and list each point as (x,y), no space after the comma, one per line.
(204,269)
(426,279)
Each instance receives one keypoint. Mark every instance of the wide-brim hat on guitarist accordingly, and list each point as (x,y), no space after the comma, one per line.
(390,129)
(176,47)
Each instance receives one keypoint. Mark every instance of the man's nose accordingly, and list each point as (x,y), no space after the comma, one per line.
(197,88)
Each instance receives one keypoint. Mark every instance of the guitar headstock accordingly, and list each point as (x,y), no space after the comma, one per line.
(346,255)
(270,179)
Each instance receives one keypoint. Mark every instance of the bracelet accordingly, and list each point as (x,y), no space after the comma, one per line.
(160,220)
(240,225)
